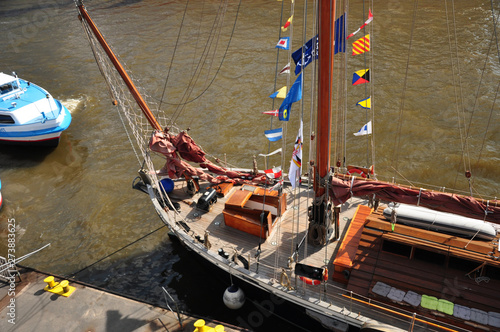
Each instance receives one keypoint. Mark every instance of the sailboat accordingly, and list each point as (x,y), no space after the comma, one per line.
(345,249)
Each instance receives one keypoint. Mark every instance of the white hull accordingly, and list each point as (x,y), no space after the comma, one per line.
(31,139)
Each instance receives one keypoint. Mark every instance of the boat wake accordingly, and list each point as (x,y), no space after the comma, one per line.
(73,104)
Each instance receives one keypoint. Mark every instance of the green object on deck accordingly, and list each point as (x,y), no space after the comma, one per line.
(445,306)
(429,302)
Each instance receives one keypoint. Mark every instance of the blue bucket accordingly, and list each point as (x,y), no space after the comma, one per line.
(167,184)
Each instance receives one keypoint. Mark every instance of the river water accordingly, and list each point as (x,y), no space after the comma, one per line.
(78,197)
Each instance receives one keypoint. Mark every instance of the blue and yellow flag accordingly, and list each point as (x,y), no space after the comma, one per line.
(281,93)
(294,95)
(365,103)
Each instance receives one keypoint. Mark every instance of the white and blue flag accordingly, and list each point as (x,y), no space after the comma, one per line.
(274,134)
(284,43)
(365,130)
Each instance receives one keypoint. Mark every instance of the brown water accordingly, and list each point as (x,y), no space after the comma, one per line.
(78,197)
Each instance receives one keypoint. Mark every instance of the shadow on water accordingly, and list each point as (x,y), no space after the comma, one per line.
(196,288)
(23,156)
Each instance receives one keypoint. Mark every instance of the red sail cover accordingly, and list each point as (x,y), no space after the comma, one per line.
(340,191)
(175,147)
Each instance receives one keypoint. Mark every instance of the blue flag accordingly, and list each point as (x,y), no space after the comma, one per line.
(274,134)
(310,54)
(295,94)
(340,24)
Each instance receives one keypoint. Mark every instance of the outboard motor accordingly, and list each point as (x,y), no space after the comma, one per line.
(208,199)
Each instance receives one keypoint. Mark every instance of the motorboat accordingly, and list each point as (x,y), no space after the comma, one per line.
(29,114)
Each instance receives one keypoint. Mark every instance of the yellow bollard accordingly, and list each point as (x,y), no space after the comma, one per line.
(61,288)
(50,282)
(199,324)
(64,284)
(219,328)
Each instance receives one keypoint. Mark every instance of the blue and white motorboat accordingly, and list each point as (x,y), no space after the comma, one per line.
(29,114)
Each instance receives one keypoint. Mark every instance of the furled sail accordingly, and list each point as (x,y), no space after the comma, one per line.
(175,147)
(342,189)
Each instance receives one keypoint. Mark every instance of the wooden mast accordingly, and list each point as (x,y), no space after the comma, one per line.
(320,219)
(130,85)
(325,77)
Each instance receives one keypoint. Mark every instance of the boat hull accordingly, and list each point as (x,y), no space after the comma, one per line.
(272,296)
(29,115)
(259,305)
(44,134)
(42,140)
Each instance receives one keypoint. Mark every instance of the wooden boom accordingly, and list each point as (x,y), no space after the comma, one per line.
(130,85)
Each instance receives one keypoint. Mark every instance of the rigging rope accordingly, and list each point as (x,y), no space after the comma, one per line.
(278,233)
(106,73)
(275,76)
(206,51)
(218,69)
(116,251)
(395,155)
(458,94)
(173,56)
(494,36)
(201,62)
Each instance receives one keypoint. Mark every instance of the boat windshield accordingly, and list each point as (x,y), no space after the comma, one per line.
(8,87)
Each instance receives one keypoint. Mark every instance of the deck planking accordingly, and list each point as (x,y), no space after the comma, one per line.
(277,249)
(290,229)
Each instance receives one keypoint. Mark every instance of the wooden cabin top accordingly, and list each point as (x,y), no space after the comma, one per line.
(458,270)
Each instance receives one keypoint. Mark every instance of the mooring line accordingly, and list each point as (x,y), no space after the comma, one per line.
(116,251)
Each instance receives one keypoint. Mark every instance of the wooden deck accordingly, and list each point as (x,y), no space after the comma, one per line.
(436,264)
(360,251)
(276,251)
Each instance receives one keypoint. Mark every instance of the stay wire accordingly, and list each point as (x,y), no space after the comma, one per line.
(275,76)
(223,58)
(173,56)
(277,251)
(196,73)
(395,155)
(495,28)
(498,86)
(493,37)
(101,65)
(116,251)
(221,23)
(215,31)
(458,94)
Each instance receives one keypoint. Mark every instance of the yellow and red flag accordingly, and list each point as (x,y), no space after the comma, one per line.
(287,24)
(361,45)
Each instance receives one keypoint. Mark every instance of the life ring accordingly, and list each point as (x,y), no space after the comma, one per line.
(357,171)
(310,281)
(315,282)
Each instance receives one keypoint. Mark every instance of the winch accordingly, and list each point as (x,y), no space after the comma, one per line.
(208,199)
